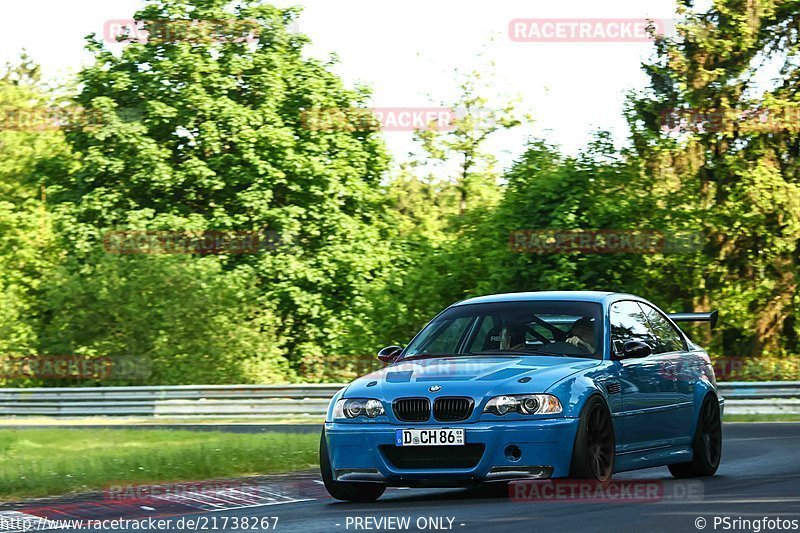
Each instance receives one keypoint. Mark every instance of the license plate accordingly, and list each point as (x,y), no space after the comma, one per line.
(429,437)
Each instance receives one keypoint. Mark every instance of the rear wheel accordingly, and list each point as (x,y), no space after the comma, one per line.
(594,450)
(707,443)
(353,491)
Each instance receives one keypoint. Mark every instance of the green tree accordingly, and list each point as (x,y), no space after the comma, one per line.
(725,172)
(27,248)
(463,144)
(165,319)
(209,134)
(440,202)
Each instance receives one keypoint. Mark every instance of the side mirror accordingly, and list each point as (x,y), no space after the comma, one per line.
(636,349)
(389,354)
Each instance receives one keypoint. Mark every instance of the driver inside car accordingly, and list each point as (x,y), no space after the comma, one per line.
(512,337)
(581,334)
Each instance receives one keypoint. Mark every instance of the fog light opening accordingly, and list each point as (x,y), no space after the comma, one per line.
(513,453)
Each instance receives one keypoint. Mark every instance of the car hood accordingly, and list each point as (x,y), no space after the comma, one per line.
(467,376)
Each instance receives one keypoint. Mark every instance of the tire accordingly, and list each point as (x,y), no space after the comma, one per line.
(593,453)
(354,491)
(706,444)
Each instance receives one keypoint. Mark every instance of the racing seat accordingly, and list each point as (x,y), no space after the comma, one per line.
(505,337)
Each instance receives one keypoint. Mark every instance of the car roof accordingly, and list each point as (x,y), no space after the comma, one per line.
(564,296)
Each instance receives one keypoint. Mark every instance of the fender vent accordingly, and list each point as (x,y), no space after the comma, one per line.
(613,387)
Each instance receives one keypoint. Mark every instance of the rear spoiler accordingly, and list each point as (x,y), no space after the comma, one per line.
(696,317)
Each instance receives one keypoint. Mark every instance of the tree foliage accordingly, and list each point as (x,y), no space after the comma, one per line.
(733,172)
(208,134)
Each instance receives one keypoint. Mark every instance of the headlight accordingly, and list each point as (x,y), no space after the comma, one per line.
(526,404)
(355,407)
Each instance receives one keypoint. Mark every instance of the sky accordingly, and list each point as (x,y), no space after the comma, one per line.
(407,52)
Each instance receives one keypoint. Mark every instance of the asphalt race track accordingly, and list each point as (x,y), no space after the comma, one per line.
(759,477)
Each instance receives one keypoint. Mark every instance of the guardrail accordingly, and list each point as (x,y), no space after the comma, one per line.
(286,401)
(761,397)
(200,401)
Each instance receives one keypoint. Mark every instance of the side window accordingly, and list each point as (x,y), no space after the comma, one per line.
(669,339)
(629,323)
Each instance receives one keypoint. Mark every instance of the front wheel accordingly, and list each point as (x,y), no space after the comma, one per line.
(706,445)
(594,451)
(342,490)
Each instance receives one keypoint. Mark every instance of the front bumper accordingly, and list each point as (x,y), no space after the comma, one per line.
(367,452)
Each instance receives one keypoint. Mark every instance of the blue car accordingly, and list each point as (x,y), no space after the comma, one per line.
(533,385)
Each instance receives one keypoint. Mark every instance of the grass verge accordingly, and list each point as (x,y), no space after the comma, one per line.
(48,462)
(762,418)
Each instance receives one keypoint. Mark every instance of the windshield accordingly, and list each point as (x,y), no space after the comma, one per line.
(513,328)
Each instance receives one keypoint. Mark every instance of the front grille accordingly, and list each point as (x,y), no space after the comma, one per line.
(412,409)
(452,409)
(433,457)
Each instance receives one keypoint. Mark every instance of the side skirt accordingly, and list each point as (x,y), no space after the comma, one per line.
(653,457)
